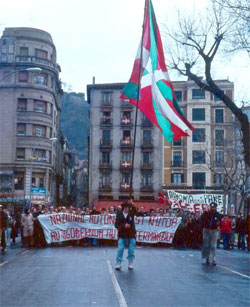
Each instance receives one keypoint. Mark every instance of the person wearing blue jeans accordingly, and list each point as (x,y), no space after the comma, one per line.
(125,225)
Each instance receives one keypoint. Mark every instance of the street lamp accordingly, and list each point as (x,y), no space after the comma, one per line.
(32,69)
(32,161)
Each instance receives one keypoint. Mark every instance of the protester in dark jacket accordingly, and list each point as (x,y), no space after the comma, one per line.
(241,230)
(210,221)
(126,232)
(3,225)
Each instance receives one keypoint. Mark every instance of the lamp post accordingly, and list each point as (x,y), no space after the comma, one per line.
(32,162)
(32,69)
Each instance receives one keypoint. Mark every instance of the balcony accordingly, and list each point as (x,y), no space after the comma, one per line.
(106,122)
(177,163)
(125,104)
(125,187)
(126,144)
(35,60)
(105,187)
(146,165)
(126,122)
(146,123)
(107,103)
(147,188)
(125,165)
(147,145)
(105,165)
(105,145)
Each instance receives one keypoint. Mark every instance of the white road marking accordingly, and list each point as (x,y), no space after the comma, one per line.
(235,272)
(25,252)
(3,263)
(118,291)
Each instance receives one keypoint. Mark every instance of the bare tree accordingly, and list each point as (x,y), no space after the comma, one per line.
(239,13)
(196,42)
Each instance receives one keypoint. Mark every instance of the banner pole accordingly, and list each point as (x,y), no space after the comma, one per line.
(137,102)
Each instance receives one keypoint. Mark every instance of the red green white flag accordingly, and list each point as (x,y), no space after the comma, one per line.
(157,98)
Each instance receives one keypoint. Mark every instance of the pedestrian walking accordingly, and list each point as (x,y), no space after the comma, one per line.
(3,225)
(126,233)
(210,221)
(241,231)
(27,223)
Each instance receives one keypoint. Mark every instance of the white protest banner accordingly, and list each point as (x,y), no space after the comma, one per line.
(65,226)
(196,202)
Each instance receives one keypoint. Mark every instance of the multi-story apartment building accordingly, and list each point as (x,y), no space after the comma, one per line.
(30,93)
(198,161)
(111,145)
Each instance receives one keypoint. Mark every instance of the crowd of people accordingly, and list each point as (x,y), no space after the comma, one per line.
(234,230)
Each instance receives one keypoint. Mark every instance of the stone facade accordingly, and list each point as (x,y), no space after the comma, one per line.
(197,161)
(110,150)
(30,93)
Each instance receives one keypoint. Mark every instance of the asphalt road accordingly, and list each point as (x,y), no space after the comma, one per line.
(76,276)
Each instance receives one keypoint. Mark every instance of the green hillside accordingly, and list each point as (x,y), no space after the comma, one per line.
(75,122)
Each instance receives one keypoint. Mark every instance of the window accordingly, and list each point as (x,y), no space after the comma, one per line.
(198,93)
(126,117)
(105,157)
(6,181)
(19,180)
(177,143)
(199,135)
(178,95)
(107,97)
(24,51)
(21,129)
(219,158)
(106,136)
(146,179)
(147,137)
(21,104)
(177,178)
(39,131)
(199,180)
(126,177)
(42,54)
(219,137)
(199,157)
(39,106)
(126,137)
(198,114)
(6,76)
(219,116)
(146,157)
(41,79)
(106,117)
(40,155)
(177,158)
(105,179)
(126,156)
(146,121)
(23,76)
(38,180)
(20,153)
(219,178)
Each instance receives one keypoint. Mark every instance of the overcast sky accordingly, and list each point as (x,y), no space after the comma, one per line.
(100,37)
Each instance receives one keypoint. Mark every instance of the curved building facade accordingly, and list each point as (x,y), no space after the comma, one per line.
(30,93)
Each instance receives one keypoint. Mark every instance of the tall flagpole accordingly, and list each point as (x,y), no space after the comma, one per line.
(137,102)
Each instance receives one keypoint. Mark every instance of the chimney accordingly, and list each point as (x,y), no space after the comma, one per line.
(94,80)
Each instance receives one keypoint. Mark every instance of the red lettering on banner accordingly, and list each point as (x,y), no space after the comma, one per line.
(58,219)
(55,236)
(53,220)
(196,207)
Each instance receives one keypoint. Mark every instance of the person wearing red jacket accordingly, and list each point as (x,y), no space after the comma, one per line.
(225,230)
